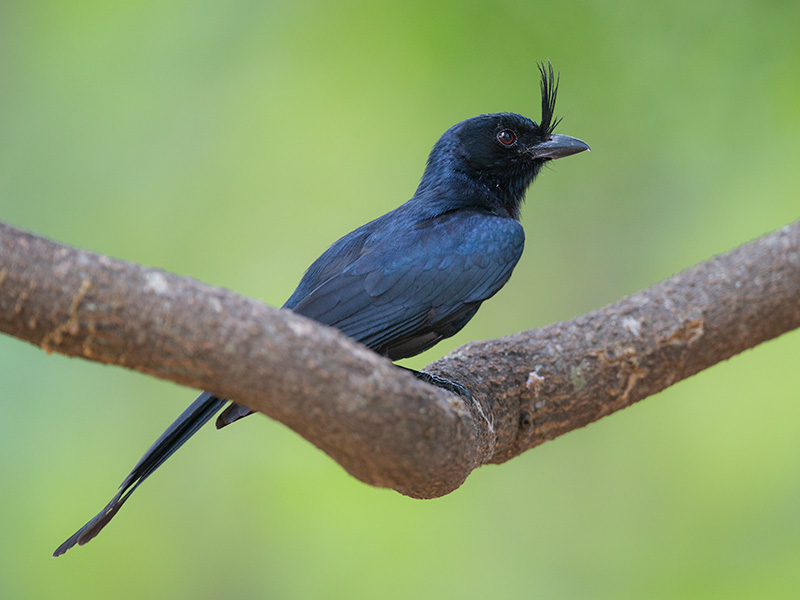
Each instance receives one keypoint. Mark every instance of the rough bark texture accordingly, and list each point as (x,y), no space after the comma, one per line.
(380,423)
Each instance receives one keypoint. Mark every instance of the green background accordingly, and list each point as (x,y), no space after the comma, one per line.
(234,141)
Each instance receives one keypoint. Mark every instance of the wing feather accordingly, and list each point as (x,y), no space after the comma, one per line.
(418,283)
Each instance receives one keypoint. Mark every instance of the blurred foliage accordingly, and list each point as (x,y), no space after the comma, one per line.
(235,141)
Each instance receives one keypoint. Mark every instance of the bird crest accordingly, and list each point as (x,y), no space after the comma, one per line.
(549,92)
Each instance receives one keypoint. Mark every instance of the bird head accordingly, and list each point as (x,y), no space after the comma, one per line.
(500,154)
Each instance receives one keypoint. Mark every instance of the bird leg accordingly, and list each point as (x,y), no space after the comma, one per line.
(446,384)
(456,388)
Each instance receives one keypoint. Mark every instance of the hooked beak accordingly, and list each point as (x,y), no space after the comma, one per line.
(559,146)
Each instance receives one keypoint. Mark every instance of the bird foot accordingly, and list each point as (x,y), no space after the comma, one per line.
(456,388)
(446,384)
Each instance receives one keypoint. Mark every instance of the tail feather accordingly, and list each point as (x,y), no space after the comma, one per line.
(185,426)
(233,413)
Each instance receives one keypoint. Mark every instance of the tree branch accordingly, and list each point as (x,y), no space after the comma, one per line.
(380,423)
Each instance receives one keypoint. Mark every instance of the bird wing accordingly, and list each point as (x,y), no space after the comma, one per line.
(424,282)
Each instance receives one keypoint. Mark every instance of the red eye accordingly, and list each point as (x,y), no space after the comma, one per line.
(506,137)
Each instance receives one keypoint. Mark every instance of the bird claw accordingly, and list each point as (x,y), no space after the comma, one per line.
(457,388)
(446,384)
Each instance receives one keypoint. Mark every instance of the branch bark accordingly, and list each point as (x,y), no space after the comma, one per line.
(380,423)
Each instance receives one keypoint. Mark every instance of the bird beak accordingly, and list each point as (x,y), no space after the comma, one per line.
(559,146)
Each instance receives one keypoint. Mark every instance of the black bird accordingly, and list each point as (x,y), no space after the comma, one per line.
(416,275)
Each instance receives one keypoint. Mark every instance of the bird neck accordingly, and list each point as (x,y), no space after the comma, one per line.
(452,189)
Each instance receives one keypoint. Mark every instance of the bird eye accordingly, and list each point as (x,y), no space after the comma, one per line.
(506,137)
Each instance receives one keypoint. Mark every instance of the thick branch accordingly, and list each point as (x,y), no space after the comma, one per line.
(563,376)
(378,422)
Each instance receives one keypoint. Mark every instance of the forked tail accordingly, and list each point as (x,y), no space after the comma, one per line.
(185,426)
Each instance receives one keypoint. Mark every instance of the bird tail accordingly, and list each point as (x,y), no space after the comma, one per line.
(233,413)
(184,427)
